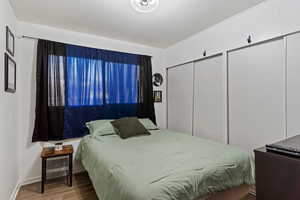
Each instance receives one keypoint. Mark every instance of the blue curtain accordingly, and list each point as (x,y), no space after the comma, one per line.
(99,84)
(84,78)
(121,83)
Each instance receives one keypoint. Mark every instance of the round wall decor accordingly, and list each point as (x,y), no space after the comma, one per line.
(157,79)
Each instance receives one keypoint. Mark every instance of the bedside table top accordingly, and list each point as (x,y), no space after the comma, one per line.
(49,152)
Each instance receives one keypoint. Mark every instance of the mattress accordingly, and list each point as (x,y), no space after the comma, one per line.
(165,165)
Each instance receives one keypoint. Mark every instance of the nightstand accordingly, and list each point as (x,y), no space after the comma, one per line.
(50,153)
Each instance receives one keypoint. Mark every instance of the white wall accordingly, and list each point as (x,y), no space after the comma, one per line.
(269,19)
(8,113)
(29,152)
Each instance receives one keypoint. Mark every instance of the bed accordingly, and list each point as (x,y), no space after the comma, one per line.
(164,166)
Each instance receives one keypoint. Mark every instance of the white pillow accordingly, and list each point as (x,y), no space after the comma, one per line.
(148,124)
(100,127)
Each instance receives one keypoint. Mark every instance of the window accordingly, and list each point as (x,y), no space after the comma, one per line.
(121,83)
(94,81)
(56,80)
(85,82)
(78,84)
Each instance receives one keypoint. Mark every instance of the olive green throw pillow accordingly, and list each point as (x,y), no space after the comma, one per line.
(129,127)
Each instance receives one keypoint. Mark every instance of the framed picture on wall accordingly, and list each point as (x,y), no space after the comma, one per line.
(157,96)
(10,42)
(10,72)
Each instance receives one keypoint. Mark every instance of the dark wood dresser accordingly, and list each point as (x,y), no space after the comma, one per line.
(277,176)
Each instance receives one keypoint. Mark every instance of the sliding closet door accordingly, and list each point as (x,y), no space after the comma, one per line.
(209,99)
(180,98)
(293,85)
(257,95)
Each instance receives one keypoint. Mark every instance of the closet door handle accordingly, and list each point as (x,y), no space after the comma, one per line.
(249,39)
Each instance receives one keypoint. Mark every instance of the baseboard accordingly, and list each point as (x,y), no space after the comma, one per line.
(32,180)
(13,195)
(29,181)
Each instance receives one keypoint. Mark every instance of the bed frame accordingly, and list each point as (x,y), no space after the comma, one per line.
(236,193)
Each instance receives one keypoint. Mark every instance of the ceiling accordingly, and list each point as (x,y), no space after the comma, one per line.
(173,21)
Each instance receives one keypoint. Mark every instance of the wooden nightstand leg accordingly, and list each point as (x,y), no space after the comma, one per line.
(70,169)
(44,168)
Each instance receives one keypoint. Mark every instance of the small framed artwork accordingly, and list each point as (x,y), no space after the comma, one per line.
(10,72)
(10,42)
(157,96)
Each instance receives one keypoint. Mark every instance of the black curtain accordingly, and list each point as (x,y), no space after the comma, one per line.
(50,92)
(145,96)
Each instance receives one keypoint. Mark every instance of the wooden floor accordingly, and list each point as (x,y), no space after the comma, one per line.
(56,190)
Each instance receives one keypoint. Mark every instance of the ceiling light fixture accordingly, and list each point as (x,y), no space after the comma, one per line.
(144,6)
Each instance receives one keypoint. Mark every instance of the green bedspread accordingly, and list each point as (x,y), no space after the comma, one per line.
(163,166)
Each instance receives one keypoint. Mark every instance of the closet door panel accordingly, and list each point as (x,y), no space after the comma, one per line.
(209,99)
(257,95)
(293,85)
(180,98)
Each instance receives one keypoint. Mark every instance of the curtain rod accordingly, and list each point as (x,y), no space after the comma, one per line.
(35,38)
(29,37)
